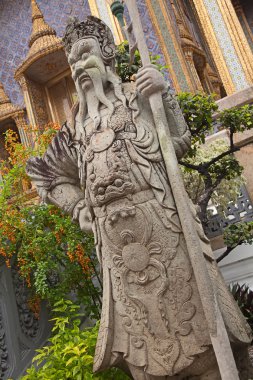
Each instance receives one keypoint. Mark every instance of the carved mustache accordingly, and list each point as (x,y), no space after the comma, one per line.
(90,63)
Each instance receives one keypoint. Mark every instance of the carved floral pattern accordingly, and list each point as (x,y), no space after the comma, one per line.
(28,322)
(3,350)
(144,278)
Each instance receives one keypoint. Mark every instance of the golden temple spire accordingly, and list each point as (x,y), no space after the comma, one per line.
(4,98)
(40,27)
(36,12)
(43,40)
(6,106)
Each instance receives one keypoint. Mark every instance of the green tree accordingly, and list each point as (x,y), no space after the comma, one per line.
(214,168)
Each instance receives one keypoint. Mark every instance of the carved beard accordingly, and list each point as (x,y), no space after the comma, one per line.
(89,102)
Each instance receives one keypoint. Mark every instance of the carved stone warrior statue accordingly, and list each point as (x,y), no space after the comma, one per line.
(105,169)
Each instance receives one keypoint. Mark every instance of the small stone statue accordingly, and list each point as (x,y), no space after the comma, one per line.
(106,170)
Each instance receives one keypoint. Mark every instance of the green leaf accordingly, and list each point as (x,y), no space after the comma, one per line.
(70,361)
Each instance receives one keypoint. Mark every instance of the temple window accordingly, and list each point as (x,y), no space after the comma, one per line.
(61,95)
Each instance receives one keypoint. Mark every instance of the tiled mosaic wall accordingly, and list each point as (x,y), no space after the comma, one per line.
(151,37)
(15,30)
(152,41)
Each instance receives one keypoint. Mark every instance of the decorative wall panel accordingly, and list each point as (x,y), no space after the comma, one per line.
(21,333)
(226,44)
(240,211)
(162,18)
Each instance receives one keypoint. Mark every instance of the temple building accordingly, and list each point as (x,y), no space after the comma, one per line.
(207,46)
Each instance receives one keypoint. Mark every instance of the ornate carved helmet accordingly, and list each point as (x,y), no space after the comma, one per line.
(92,27)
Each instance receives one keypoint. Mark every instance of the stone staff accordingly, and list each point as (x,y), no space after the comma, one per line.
(217,329)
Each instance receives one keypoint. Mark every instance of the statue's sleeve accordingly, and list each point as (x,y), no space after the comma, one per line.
(178,128)
(56,173)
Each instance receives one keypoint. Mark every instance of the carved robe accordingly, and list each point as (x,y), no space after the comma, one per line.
(152,316)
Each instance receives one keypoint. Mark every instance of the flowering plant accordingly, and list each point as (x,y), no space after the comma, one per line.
(51,253)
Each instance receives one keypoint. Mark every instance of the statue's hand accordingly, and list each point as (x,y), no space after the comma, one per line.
(43,193)
(149,80)
(82,214)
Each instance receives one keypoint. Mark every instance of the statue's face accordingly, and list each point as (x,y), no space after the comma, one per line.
(79,60)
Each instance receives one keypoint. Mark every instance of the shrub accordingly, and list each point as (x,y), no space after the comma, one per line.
(69,353)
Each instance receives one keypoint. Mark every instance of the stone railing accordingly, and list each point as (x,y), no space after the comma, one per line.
(241,211)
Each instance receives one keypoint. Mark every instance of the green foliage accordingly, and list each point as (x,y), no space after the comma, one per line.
(239,233)
(237,119)
(123,67)
(51,253)
(228,189)
(69,354)
(57,258)
(211,171)
(126,70)
(244,297)
(198,110)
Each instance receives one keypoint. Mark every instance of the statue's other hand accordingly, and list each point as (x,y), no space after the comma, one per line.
(149,80)
(43,193)
(85,220)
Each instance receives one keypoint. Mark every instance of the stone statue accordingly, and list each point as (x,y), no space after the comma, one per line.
(106,170)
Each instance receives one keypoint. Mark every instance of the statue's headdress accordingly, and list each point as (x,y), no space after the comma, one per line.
(92,27)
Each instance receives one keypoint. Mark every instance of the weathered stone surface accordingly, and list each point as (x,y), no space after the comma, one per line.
(105,168)
(245,157)
(239,98)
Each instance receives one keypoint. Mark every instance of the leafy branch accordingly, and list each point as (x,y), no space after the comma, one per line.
(235,235)
(222,166)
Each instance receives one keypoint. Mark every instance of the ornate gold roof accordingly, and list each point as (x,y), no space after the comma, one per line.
(7,109)
(43,40)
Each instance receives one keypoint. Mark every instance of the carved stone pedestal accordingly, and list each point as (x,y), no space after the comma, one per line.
(20,332)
